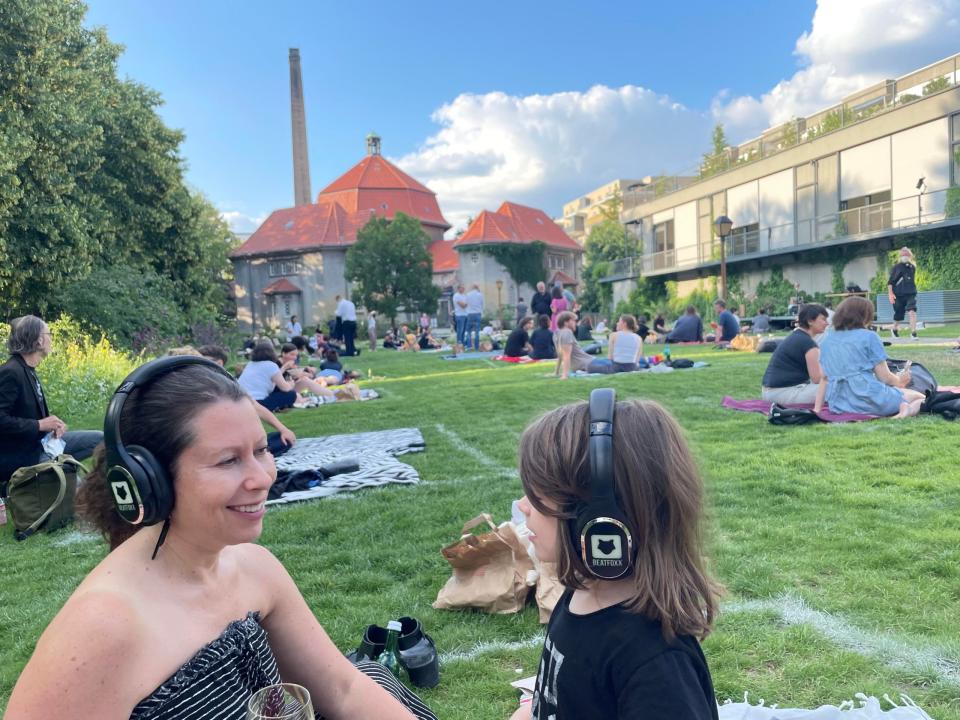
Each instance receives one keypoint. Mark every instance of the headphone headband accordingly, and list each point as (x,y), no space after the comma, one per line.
(600,531)
(140,486)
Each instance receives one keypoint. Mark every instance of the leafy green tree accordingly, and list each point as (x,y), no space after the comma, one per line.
(89,174)
(608,241)
(391,267)
(718,159)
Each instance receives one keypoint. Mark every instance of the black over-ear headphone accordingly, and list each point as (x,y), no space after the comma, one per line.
(600,532)
(141,488)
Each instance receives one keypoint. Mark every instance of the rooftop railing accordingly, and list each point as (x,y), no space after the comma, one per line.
(852,225)
(881,97)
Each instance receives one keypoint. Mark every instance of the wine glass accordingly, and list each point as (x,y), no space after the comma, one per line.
(284,701)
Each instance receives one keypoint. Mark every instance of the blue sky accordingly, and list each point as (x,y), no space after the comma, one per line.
(527,101)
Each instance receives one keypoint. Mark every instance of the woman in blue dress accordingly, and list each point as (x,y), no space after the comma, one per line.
(855,365)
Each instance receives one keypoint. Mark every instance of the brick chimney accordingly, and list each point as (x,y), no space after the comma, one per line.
(298,121)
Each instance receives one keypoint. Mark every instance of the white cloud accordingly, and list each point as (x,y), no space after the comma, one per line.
(851,45)
(240,222)
(544,150)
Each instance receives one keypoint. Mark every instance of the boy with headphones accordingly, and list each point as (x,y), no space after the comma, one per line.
(621,521)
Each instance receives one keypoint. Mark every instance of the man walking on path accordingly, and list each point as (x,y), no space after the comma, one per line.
(460,315)
(474,313)
(347,312)
(902,292)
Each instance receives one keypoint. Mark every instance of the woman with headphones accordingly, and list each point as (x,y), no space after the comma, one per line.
(186,617)
(621,520)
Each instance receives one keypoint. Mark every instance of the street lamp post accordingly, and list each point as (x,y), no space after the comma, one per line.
(499,288)
(723,225)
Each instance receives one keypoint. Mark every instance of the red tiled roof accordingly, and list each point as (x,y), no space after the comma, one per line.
(513,223)
(561,277)
(445,258)
(372,187)
(281,286)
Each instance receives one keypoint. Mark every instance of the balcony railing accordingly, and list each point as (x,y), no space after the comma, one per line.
(852,225)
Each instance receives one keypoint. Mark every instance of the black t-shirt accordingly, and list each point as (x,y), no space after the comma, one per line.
(903,279)
(542,342)
(616,665)
(518,338)
(659,324)
(540,304)
(643,330)
(788,365)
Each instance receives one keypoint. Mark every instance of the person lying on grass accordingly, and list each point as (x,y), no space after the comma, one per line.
(188,617)
(332,370)
(793,374)
(626,648)
(855,368)
(264,378)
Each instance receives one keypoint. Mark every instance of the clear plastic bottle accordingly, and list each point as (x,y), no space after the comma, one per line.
(390,657)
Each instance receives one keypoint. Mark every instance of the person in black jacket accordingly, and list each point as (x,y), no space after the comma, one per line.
(540,303)
(902,292)
(25,420)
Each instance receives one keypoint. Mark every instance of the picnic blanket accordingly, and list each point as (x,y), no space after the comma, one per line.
(472,355)
(763,406)
(312,401)
(658,368)
(866,708)
(376,452)
(523,359)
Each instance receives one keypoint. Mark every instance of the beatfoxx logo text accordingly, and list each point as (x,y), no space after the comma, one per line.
(606,547)
(121,492)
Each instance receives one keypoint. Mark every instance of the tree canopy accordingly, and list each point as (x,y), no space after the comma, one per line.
(90,177)
(608,241)
(391,267)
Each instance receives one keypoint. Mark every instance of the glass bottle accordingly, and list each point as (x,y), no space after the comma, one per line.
(390,657)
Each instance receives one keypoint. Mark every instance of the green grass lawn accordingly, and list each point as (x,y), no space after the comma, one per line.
(839,545)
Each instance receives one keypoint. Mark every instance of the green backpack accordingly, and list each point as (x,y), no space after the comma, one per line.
(41,496)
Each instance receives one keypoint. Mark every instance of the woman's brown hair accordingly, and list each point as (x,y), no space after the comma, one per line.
(630,321)
(657,487)
(853,313)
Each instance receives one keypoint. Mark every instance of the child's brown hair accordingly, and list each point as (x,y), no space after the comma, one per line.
(657,487)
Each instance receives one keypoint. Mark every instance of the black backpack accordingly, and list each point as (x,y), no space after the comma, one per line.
(944,403)
(921,379)
(780,415)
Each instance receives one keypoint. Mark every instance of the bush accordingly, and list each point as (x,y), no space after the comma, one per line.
(135,308)
(81,373)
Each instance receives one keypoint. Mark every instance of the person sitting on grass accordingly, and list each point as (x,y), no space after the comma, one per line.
(333,371)
(857,379)
(570,356)
(761,322)
(627,647)
(541,340)
(518,342)
(189,617)
(585,329)
(216,354)
(688,328)
(624,349)
(642,329)
(794,373)
(660,326)
(727,325)
(390,342)
(289,352)
(409,339)
(263,379)
(426,341)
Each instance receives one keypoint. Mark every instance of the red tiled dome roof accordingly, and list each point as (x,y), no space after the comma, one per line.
(513,223)
(372,187)
(445,258)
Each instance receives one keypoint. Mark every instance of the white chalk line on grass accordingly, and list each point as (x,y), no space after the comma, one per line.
(895,653)
(478,455)
(483,648)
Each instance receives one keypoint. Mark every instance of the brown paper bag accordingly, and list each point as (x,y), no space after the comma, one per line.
(489,570)
(549,590)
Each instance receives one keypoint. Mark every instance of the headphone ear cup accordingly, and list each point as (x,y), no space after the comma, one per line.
(156,490)
(602,539)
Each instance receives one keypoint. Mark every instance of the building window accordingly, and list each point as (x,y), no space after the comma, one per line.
(556,262)
(285,266)
(744,239)
(475,258)
(663,236)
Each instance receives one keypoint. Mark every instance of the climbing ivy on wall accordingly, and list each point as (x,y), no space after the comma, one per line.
(524,263)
